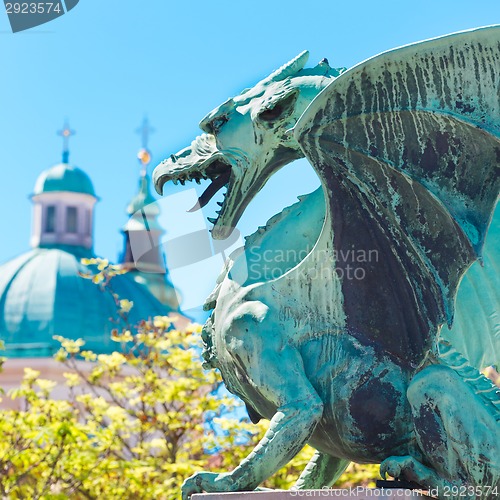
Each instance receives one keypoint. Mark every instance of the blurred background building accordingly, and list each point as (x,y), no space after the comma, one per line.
(42,292)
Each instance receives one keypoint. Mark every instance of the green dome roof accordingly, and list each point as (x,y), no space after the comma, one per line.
(143,205)
(42,294)
(143,200)
(64,177)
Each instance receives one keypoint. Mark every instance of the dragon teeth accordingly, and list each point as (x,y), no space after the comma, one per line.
(211,220)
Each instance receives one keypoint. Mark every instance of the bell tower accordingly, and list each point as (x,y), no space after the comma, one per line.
(63,205)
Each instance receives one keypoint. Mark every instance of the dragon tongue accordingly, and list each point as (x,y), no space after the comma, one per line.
(208,194)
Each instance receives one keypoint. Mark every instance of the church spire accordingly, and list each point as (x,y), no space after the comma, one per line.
(142,254)
(66,133)
(144,155)
(142,230)
(143,201)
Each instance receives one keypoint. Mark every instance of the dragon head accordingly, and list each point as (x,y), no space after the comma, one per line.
(247,139)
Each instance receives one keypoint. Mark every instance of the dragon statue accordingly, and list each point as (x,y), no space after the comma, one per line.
(370,366)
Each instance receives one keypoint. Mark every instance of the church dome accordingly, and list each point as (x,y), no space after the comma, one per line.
(64,177)
(42,294)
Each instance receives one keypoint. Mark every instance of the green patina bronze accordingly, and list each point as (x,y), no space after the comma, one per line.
(335,322)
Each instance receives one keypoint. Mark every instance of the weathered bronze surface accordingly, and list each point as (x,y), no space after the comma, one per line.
(339,343)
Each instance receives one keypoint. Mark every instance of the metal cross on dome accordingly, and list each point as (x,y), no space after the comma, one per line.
(144,130)
(66,133)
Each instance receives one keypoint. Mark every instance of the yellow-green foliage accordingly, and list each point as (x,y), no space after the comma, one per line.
(136,423)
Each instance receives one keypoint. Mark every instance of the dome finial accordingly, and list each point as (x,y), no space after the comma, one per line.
(66,133)
(144,155)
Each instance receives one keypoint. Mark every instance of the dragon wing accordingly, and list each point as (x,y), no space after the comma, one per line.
(476,329)
(407,144)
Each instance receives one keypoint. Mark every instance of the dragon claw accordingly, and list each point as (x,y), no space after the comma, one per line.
(383,472)
(395,467)
(405,468)
(209,482)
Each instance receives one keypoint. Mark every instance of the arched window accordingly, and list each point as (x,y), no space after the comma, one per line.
(50,221)
(88,222)
(71,220)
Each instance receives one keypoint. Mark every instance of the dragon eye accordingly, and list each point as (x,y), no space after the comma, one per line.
(270,115)
(218,122)
(281,109)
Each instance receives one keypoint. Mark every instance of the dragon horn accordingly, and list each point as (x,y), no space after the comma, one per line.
(290,68)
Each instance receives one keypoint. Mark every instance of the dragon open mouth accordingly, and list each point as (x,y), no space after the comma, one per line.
(200,161)
(219,175)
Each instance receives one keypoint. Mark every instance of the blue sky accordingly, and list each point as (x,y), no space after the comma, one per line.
(106,64)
